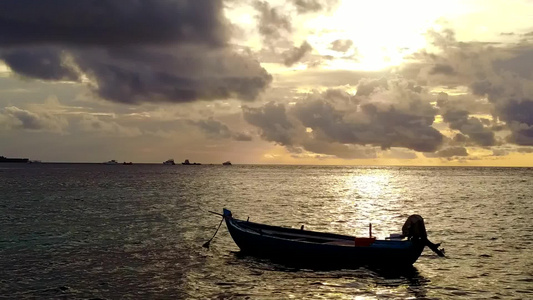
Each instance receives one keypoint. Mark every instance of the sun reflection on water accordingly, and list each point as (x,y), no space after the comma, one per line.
(367,196)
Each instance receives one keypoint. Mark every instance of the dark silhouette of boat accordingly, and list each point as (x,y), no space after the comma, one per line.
(187,163)
(111,162)
(127,163)
(226,163)
(4,159)
(303,247)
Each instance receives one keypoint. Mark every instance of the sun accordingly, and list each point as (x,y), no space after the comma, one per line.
(383,32)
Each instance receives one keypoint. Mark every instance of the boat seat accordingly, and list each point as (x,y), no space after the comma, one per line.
(358,242)
(340,243)
(364,242)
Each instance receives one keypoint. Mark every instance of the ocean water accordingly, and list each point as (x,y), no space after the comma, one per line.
(88,231)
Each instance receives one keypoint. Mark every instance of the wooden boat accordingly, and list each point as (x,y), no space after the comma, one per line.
(321,249)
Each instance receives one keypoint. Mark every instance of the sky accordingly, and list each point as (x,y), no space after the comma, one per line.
(268,82)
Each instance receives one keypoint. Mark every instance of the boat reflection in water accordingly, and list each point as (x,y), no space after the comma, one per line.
(365,282)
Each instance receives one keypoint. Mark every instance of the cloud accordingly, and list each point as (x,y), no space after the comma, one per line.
(213,128)
(294,55)
(12,117)
(399,153)
(327,124)
(341,45)
(44,63)
(499,152)
(520,62)
(242,137)
(470,126)
(307,6)
(271,22)
(272,121)
(525,150)
(97,23)
(339,150)
(448,152)
(377,125)
(216,129)
(500,76)
(146,51)
(519,117)
(365,86)
(95,124)
(442,69)
(174,75)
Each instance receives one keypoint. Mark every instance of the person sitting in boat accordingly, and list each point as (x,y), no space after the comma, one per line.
(414,227)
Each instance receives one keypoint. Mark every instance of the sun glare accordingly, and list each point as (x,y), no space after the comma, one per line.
(383,32)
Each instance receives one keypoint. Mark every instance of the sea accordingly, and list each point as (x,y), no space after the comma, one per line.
(94,231)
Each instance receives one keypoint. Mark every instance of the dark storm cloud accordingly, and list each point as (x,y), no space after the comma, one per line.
(332,125)
(448,152)
(518,111)
(44,63)
(376,125)
(273,122)
(521,62)
(213,128)
(341,45)
(272,23)
(141,51)
(216,129)
(106,22)
(470,126)
(500,76)
(442,69)
(294,55)
(519,117)
(182,74)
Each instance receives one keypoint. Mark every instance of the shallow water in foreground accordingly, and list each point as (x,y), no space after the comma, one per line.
(96,231)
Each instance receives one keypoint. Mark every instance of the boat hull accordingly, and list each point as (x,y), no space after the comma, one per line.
(254,239)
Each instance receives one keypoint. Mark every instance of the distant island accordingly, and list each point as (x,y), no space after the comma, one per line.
(4,159)
(169,162)
(187,163)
